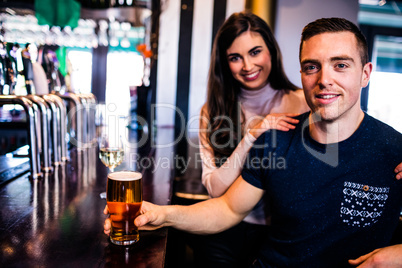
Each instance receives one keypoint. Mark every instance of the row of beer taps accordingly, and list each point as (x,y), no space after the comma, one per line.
(56,122)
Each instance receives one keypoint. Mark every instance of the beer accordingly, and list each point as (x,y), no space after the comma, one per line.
(124,199)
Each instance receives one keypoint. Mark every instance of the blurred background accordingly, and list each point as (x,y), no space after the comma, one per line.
(150,58)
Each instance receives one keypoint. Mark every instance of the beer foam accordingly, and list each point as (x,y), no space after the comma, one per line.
(125,176)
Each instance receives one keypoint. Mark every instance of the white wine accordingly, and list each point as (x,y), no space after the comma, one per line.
(111,157)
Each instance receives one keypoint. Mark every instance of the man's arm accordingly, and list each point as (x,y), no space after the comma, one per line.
(210,216)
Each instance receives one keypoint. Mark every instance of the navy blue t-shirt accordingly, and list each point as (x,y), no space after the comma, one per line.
(329,203)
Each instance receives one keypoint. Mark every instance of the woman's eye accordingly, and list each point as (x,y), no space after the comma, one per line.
(234,58)
(255,52)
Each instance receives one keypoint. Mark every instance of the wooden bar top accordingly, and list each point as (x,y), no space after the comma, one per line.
(57,220)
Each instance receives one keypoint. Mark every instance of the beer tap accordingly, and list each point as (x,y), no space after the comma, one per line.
(31,111)
(76,119)
(44,131)
(55,123)
(63,126)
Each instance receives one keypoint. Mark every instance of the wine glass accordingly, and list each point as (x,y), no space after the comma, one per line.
(111,153)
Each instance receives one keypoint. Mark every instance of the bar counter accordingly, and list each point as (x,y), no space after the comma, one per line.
(57,220)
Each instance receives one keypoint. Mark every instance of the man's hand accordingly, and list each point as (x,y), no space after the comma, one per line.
(152,217)
(388,257)
(108,223)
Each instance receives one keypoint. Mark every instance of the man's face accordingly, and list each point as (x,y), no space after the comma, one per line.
(332,75)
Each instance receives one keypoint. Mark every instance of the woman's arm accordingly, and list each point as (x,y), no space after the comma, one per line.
(217,180)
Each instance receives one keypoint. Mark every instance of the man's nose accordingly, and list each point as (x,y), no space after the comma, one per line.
(325,77)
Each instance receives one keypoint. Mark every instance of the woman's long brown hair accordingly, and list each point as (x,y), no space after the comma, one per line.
(223,111)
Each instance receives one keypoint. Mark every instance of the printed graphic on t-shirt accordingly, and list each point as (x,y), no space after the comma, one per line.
(362,204)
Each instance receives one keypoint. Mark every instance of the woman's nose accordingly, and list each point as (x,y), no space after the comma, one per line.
(247,64)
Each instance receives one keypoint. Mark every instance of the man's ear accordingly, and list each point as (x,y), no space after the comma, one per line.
(367,69)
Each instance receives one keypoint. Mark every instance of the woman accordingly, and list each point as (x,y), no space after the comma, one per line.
(248,94)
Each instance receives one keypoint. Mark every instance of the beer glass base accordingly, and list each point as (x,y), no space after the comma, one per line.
(124,242)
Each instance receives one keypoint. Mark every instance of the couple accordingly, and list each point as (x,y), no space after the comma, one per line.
(337,202)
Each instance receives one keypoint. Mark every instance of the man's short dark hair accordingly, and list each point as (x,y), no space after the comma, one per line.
(333,25)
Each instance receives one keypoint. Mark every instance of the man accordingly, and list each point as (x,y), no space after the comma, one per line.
(334,196)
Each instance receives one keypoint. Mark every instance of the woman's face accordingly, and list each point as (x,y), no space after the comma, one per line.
(249,60)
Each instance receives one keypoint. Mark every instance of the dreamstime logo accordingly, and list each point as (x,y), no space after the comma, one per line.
(81,117)
(138,162)
(330,152)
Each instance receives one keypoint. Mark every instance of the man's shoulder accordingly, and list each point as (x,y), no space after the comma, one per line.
(383,134)
(294,101)
(381,128)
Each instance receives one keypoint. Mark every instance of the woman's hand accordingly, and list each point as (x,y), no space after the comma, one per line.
(389,257)
(282,122)
(398,171)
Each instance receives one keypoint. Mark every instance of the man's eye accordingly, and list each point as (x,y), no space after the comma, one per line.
(341,65)
(309,68)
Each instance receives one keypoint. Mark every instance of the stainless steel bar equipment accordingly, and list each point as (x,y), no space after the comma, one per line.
(31,121)
(44,132)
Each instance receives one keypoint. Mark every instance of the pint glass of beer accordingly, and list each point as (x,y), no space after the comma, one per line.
(124,199)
